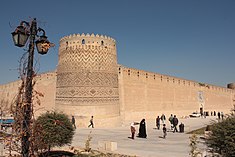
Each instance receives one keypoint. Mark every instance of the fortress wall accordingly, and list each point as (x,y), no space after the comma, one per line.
(45,84)
(88,81)
(8,94)
(221,99)
(146,95)
(142,95)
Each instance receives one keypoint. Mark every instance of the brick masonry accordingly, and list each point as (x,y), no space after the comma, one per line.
(88,81)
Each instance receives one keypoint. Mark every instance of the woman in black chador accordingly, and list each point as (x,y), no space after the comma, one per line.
(142,129)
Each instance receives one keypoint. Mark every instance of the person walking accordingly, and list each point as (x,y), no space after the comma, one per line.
(175,123)
(163,118)
(158,122)
(222,115)
(73,122)
(171,121)
(133,130)
(91,122)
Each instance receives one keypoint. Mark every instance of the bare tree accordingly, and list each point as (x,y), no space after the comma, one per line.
(14,141)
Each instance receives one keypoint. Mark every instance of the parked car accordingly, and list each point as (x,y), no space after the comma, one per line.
(195,114)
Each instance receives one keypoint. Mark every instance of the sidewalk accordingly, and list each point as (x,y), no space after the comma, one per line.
(175,144)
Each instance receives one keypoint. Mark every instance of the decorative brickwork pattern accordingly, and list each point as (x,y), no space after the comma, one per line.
(88,82)
(87,71)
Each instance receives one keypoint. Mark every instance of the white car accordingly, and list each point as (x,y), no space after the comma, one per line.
(195,114)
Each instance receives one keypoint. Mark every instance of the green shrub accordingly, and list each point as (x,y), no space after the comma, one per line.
(222,139)
(52,129)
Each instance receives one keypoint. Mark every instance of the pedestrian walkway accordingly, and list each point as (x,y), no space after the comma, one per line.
(175,144)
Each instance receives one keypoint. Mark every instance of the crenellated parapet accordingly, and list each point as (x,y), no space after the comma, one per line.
(46,75)
(87,41)
(175,81)
(79,52)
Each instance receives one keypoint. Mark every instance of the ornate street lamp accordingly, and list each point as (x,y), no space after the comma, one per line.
(20,37)
(42,43)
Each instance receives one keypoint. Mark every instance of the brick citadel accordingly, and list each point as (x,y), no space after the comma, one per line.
(89,81)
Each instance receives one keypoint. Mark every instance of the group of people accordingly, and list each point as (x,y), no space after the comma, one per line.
(159,120)
(174,122)
(142,126)
(219,114)
(172,119)
(90,125)
(142,129)
(213,113)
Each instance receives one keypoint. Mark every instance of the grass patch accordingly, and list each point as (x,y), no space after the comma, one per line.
(199,131)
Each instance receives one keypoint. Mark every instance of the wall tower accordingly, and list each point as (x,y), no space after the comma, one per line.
(87,78)
(231,85)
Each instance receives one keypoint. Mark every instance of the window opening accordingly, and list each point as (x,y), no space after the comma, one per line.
(83,41)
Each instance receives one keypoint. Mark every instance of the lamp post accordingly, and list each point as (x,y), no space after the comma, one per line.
(20,37)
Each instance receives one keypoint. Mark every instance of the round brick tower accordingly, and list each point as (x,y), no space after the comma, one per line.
(87,79)
(231,85)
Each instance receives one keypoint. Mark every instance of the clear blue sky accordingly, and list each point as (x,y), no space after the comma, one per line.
(189,39)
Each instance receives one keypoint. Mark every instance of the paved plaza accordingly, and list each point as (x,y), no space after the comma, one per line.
(175,145)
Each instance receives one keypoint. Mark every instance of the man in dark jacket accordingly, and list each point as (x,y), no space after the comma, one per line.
(175,123)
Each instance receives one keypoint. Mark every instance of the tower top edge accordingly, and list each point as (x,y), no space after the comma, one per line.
(87,35)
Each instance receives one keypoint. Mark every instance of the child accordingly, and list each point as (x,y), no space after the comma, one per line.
(133,130)
(164,130)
